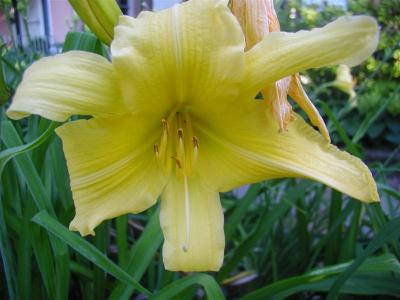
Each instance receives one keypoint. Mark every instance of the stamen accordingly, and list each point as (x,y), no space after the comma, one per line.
(181,149)
(165,124)
(164,139)
(182,145)
(180,133)
(195,142)
(177,161)
(195,149)
(185,246)
(156,151)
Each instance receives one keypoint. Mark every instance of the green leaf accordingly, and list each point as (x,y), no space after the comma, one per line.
(83,41)
(373,270)
(9,153)
(141,255)
(4,90)
(389,190)
(372,117)
(7,256)
(389,232)
(333,227)
(86,249)
(30,176)
(240,210)
(350,146)
(267,221)
(350,241)
(209,284)
(101,241)
(122,239)
(24,163)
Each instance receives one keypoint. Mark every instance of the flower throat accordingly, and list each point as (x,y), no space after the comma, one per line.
(178,145)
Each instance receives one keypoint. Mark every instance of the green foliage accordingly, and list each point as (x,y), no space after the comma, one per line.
(284,238)
(377,79)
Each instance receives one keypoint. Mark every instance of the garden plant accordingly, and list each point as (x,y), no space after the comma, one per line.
(213,150)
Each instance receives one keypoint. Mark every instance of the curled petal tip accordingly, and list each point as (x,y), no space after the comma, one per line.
(83,228)
(364,34)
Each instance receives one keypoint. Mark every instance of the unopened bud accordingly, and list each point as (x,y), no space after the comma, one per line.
(101,16)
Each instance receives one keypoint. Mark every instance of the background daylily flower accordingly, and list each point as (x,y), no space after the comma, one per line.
(174,115)
(344,81)
(257,19)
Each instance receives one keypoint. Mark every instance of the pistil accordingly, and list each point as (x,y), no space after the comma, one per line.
(185,246)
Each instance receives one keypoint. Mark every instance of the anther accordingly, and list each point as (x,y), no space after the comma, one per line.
(165,125)
(156,151)
(180,133)
(177,161)
(195,150)
(195,142)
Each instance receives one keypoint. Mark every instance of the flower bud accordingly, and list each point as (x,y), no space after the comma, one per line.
(101,16)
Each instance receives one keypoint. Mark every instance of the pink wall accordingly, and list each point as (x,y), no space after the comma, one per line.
(61,16)
(3,29)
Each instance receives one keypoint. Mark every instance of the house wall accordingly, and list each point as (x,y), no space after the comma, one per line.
(3,28)
(35,20)
(61,19)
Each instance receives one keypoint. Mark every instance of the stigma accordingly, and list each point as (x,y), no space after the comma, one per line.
(178,147)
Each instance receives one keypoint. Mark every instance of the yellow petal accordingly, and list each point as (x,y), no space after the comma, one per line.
(299,95)
(112,168)
(205,242)
(245,146)
(192,52)
(99,15)
(275,97)
(68,84)
(348,40)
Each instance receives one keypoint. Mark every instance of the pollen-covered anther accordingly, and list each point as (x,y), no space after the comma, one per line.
(195,142)
(156,151)
(195,150)
(177,161)
(165,125)
(180,133)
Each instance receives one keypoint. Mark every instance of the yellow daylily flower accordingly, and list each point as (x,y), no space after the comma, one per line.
(257,19)
(173,114)
(344,81)
(101,16)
